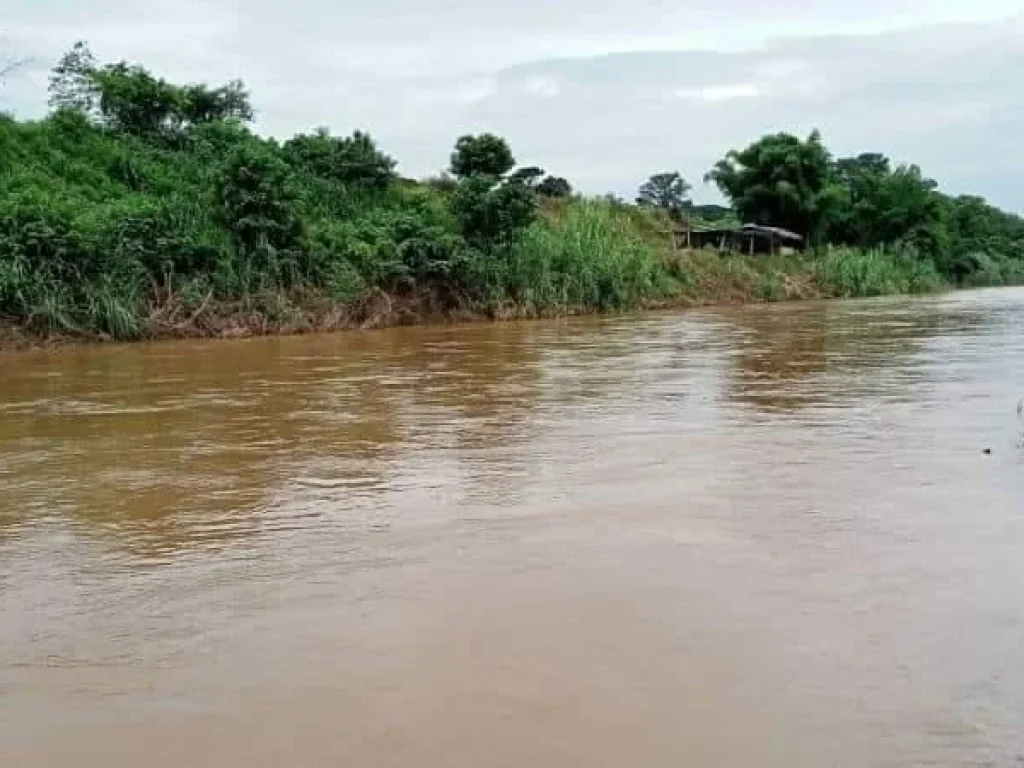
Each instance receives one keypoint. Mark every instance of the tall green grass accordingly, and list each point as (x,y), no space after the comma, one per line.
(853,272)
(588,257)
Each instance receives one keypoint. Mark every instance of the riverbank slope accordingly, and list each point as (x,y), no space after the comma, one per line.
(143,209)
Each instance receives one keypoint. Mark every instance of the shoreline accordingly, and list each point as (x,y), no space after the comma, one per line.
(402,312)
(698,279)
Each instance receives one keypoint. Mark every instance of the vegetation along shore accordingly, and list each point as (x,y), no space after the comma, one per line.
(139,208)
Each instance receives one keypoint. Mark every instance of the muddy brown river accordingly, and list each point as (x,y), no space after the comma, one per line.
(766,536)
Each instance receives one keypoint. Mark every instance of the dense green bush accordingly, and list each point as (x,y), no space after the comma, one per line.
(491,215)
(484,155)
(353,160)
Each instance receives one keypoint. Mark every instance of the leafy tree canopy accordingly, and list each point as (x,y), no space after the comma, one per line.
(353,160)
(668,191)
(779,180)
(528,176)
(491,215)
(127,98)
(486,154)
(554,186)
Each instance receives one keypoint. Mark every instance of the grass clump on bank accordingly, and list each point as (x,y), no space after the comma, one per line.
(854,272)
(586,256)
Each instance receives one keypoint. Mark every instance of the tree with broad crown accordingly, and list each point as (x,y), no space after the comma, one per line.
(353,160)
(491,215)
(668,191)
(781,181)
(129,99)
(554,186)
(486,155)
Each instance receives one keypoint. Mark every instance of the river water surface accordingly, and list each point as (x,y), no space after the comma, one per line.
(766,536)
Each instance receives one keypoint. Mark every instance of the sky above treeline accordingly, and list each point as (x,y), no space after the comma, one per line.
(604,94)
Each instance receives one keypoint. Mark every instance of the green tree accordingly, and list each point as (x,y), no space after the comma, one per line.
(782,181)
(133,101)
(201,104)
(554,186)
(882,206)
(710,212)
(255,200)
(528,176)
(491,215)
(911,212)
(857,182)
(129,99)
(72,83)
(352,160)
(486,154)
(668,191)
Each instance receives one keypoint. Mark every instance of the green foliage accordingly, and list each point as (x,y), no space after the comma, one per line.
(443,182)
(986,245)
(71,83)
(779,180)
(483,155)
(535,179)
(491,215)
(138,198)
(668,191)
(127,98)
(851,272)
(255,200)
(343,283)
(530,176)
(555,187)
(864,203)
(133,101)
(710,213)
(589,259)
(353,160)
(878,206)
(199,104)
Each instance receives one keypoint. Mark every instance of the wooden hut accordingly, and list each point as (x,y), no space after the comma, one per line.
(750,238)
(756,238)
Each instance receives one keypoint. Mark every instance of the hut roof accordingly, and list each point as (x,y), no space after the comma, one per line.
(779,232)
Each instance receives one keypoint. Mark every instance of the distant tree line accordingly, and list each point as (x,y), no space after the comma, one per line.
(862,201)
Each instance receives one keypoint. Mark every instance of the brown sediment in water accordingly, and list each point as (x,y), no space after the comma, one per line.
(742,536)
(606,542)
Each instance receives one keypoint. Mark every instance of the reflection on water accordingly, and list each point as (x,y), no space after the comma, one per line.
(541,543)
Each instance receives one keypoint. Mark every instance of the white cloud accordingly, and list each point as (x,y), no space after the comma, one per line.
(461,92)
(714,93)
(545,87)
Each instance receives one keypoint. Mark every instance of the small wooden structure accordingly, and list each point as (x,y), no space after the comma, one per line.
(749,238)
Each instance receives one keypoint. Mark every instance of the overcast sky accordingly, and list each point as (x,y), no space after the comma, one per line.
(602,94)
